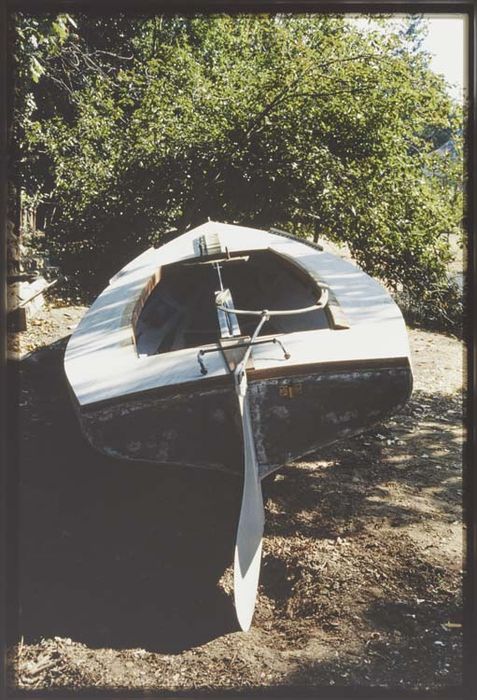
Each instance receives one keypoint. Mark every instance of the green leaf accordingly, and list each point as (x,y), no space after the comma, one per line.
(36,69)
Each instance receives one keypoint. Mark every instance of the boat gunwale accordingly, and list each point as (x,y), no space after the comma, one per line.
(204,384)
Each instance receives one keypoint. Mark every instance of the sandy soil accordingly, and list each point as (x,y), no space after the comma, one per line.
(124,572)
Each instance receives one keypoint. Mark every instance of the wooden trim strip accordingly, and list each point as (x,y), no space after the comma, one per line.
(340,365)
(285,234)
(133,307)
(254,375)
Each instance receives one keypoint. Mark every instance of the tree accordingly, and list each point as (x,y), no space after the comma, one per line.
(301,122)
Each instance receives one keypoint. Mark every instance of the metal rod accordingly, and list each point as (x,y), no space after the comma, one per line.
(275,340)
(238,345)
(217,267)
(240,369)
(201,353)
(286,312)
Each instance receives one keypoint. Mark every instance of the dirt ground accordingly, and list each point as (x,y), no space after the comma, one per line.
(124,571)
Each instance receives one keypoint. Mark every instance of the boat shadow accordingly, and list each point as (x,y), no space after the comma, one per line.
(112,553)
(125,555)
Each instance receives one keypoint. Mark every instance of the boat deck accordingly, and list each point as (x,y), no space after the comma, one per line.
(105,359)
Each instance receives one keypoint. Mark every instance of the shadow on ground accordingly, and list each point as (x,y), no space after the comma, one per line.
(410,642)
(111,553)
(343,489)
(124,555)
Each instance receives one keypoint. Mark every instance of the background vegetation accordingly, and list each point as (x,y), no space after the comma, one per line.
(126,128)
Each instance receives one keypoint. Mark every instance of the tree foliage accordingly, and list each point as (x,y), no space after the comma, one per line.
(304,122)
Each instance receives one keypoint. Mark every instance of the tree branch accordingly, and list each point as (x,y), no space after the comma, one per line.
(281,95)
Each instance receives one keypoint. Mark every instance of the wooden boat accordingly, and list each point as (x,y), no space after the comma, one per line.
(236,349)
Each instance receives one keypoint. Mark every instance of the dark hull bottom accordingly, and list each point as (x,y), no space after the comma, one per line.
(291,416)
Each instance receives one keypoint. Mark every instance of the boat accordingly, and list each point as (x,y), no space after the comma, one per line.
(241,350)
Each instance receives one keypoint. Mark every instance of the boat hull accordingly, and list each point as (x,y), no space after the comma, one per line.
(292,416)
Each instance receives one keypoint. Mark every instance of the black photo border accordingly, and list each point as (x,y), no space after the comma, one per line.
(8,392)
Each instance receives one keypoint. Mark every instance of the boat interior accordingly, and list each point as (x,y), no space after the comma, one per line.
(181,310)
